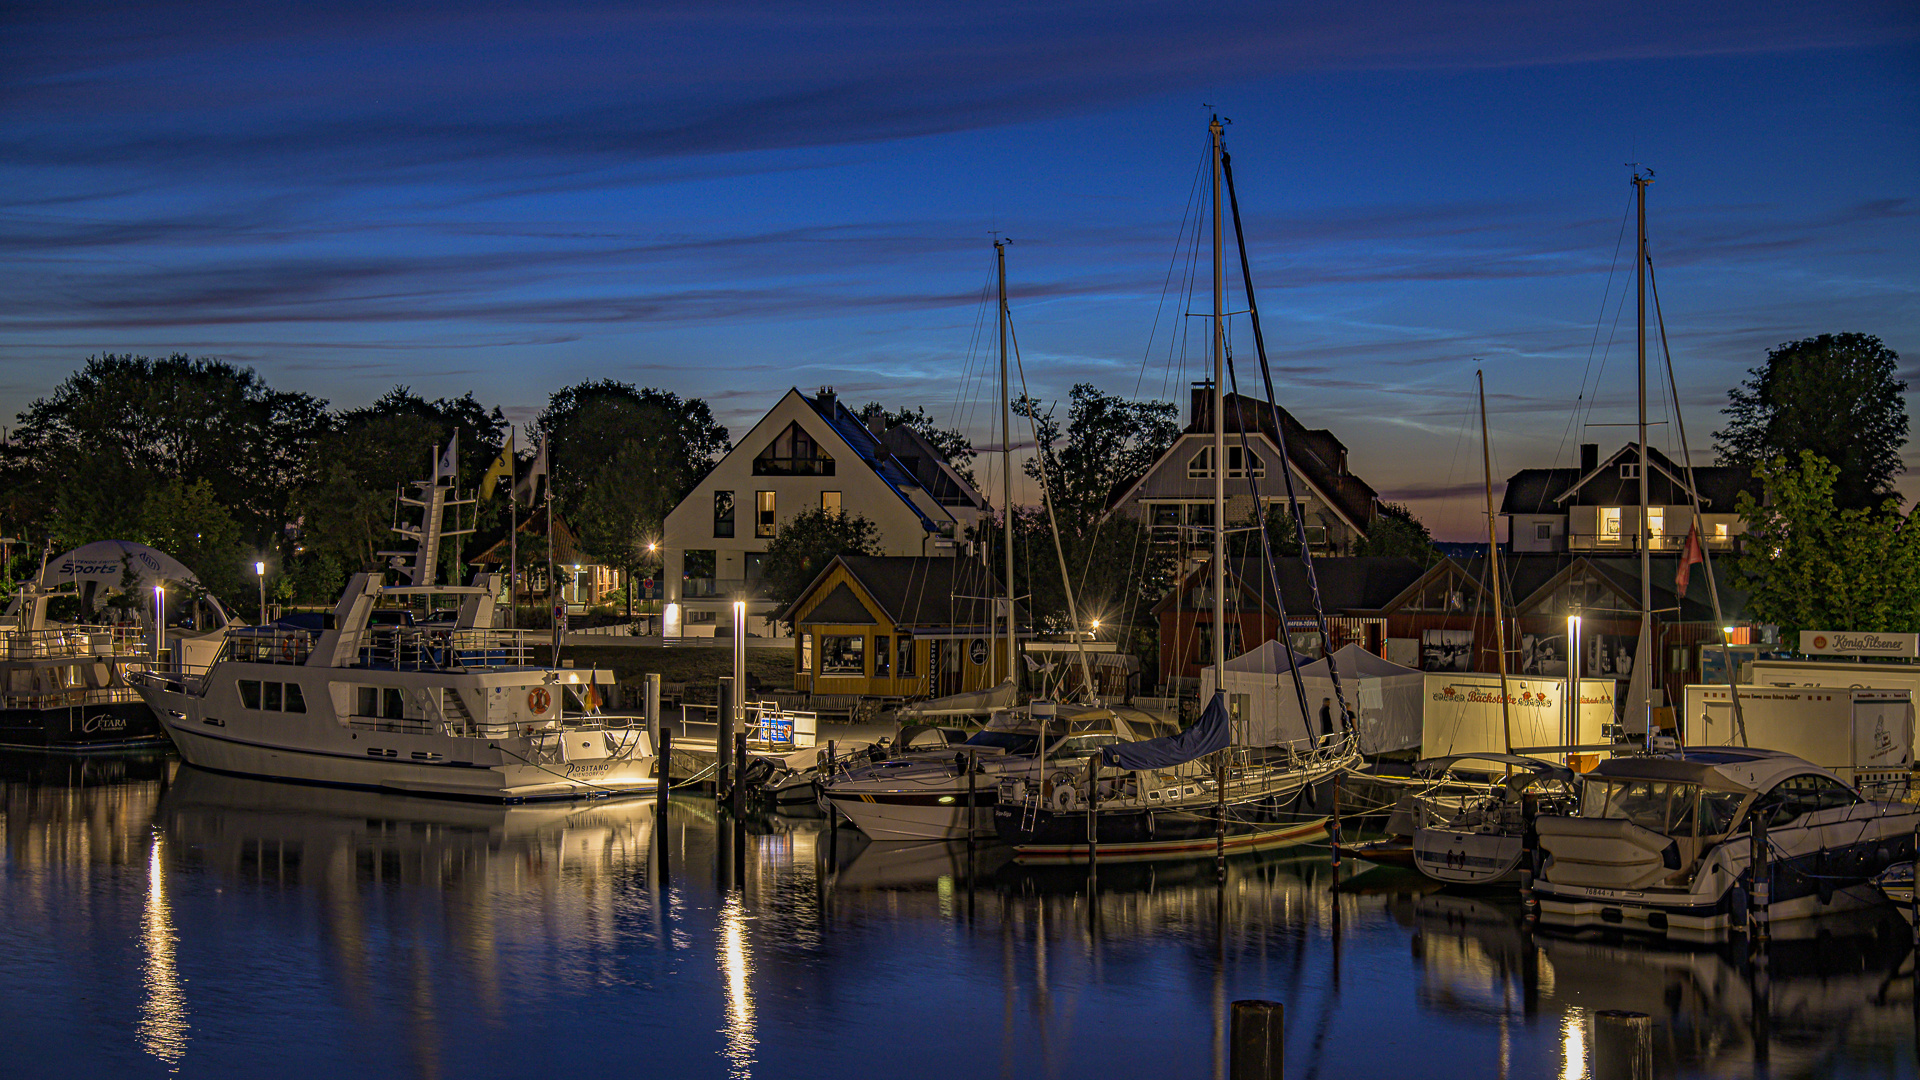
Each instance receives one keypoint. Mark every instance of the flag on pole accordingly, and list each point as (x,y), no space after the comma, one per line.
(1690,555)
(529,484)
(449,460)
(502,468)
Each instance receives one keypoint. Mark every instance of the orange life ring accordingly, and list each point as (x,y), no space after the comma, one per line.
(286,649)
(538,699)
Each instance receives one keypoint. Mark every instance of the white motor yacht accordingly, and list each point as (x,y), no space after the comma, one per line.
(1664,842)
(378,699)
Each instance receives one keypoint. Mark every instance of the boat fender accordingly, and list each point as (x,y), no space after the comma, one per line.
(1149,823)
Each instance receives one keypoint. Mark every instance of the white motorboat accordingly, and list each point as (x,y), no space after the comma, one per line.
(1485,841)
(1664,842)
(942,793)
(380,699)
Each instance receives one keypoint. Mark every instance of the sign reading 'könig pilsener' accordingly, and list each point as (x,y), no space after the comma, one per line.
(1855,643)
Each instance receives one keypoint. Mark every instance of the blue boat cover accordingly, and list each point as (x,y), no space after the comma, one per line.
(1211,733)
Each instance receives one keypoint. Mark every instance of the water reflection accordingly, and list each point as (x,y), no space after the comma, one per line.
(163,1014)
(233,927)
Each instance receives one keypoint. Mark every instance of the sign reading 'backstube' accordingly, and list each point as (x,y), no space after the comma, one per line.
(1854,643)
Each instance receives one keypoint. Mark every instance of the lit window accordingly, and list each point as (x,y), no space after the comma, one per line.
(1656,521)
(830,501)
(763,517)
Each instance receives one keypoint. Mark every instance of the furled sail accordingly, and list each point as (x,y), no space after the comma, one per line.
(1209,734)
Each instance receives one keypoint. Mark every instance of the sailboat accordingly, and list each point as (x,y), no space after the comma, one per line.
(378,698)
(1194,793)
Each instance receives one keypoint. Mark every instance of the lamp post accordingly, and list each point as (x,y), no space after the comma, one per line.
(260,574)
(1573,680)
(159,622)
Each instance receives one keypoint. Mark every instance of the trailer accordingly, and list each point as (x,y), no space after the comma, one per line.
(1462,714)
(1864,735)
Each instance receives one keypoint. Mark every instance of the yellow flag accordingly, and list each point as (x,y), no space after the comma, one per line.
(502,468)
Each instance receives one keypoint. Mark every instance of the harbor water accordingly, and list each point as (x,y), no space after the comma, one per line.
(160,920)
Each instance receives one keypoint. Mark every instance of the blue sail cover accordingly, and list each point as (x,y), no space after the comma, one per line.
(1211,733)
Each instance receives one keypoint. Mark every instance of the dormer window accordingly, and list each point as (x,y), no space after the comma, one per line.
(1201,465)
(1630,470)
(793,453)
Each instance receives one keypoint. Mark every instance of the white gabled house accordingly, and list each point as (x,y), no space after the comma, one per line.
(1596,507)
(806,453)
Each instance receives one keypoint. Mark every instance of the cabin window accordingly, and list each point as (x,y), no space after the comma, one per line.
(1542,530)
(270,696)
(1656,805)
(843,654)
(723,514)
(296,702)
(1804,794)
(905,668)
(793,453)
(830,501)
(763,514)
(249,693)
(882,663)
(383,702)
(806,652)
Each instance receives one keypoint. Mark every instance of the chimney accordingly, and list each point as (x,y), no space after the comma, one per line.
(1589,457)
(878,425)
(1200,411)
(824,400)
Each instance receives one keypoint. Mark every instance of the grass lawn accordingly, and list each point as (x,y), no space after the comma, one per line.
(683,663)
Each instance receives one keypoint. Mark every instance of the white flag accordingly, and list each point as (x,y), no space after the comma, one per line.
(450,460)
(528,484)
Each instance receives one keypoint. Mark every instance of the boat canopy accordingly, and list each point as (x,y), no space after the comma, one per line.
(1544,770)
(1211,733)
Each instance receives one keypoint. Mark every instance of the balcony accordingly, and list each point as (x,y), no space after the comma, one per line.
(1577,541)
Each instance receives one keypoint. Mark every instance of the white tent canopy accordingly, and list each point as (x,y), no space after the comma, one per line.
(1260,696)
(104,564)
(1386,698)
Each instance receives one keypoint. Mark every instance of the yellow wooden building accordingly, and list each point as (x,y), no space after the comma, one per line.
(900,627)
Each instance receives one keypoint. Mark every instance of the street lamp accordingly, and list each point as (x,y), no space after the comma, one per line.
(1573,680)
(260,573)
(159,622)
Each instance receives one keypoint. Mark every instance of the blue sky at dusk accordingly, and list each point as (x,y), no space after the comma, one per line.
(726,199)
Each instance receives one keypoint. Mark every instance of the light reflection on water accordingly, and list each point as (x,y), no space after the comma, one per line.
(166,919)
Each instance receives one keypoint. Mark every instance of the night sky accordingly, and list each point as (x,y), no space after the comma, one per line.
(726,199)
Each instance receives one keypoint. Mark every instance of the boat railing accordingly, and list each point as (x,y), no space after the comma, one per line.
(428,648)
(506,729)
(70,697)
(75,640)
(270,646)
(768,727)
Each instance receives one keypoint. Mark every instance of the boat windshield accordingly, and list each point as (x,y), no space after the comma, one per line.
(1011,742)
(1662,806)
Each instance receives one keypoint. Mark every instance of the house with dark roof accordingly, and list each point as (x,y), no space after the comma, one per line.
(901,626)
(806,453)
(1174,497)
(1354,592)
(1596,507)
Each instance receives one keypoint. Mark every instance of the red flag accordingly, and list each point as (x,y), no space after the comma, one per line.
(1689,555)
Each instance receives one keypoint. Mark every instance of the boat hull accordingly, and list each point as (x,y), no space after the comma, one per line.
(1467,857)
(916,815)
(325,752)
(113,725)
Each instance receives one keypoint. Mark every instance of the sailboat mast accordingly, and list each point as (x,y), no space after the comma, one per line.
(1219,430)
(1006,446)
(1493,566)
(1643,655)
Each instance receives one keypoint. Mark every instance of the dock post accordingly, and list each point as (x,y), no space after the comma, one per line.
(1220,817)
(826,774)
(1258,1041)
(651,708)
(1913,905)
(1093,807)
(723,741)
(663,774)
(973,796)
(1333,833)
(1761,866)
(1622,1045)
(738,797)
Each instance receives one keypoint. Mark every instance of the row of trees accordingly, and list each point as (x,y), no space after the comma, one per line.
(204,460)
